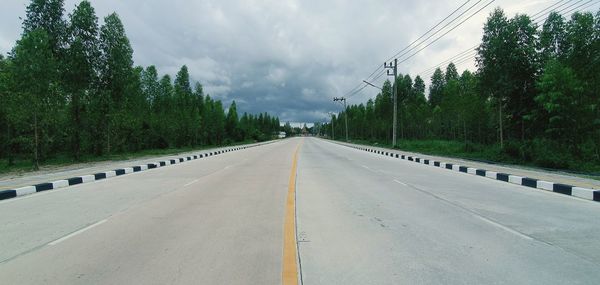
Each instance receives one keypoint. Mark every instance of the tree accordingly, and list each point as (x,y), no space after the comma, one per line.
(383,109)
(188,114)
(553,37)
(436,88)
(525,65)
(287,128)
(48,16)
(34,78)
(81,66)
(115,74)
(451,72)
(580,36)
(164,109)
(493,69)
(562,98)
(5,129)
(70,87)
(231,124)
(150,85)
(419,86)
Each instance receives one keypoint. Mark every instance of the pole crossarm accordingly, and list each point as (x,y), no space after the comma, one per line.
(372,85)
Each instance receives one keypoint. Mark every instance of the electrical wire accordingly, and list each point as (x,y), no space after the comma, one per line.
(380,67)
(543,13)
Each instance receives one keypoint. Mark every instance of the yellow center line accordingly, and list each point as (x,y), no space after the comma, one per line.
(290,260)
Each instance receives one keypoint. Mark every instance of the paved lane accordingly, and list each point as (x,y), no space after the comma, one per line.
(361,219)
(369,219)
(213,221)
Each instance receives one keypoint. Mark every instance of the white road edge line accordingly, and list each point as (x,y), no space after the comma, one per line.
(77,232)
(399,182)
(190,183)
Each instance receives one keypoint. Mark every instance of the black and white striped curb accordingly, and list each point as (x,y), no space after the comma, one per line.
(7,194)
(584,193)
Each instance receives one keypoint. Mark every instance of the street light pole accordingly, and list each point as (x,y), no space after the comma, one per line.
(394,66)
(345,112)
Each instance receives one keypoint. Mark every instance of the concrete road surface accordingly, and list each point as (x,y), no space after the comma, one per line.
(360,219)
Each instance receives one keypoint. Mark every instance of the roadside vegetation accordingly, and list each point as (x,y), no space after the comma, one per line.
(65,159)
(534,99)
(486,153)
(69,92)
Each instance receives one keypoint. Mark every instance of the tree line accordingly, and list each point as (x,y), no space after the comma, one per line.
(69,86)
(535,95)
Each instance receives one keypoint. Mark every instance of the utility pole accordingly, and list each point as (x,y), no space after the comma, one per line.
(345,112)
(394,72)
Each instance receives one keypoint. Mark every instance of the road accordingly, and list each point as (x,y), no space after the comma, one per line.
(360,219)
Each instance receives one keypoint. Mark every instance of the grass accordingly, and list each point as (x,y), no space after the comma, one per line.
(25,165)
(489,154)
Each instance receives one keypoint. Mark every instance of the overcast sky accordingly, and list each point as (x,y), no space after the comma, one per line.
(285,57)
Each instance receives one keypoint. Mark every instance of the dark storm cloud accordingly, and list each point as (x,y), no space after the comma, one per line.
(289,58)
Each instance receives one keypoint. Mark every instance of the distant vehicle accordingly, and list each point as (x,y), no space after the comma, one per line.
(282,135)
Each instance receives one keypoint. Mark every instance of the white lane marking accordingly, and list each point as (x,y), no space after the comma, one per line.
(472,213)
(190,183)
(226,167)
(77,232)
(368,168)
(400,182)
(502,227)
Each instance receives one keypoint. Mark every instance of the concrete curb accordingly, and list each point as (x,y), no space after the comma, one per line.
(7,194)
(570,190)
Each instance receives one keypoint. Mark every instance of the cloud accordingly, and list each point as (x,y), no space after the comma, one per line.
(286,57)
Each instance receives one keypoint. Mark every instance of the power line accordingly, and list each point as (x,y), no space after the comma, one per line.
(549,7)
(455,57)
(436,25)
(399,55)
(407,58)
(469,53)
(580,7)
(555,9)
(427,32)
(379,67)
(467,56)
(543,13)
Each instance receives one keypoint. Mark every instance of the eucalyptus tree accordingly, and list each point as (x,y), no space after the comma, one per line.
(492,66)
(436,87)
(116,71)
(33,72)
(553,37)
(80,70)
(47,15)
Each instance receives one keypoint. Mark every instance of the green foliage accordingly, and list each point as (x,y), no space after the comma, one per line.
(79,69)
(47,15)
(69,92)
(561,96)
(552,37)
(436,89)
(33,84)
(533,100)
